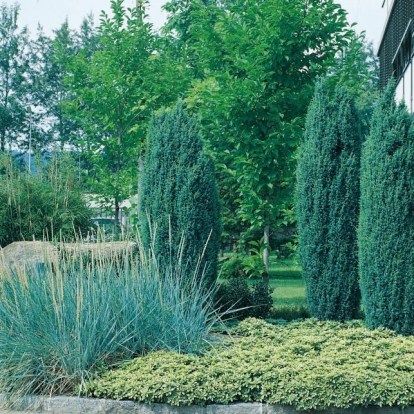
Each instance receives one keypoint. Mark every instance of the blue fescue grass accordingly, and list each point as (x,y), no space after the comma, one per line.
(62,321)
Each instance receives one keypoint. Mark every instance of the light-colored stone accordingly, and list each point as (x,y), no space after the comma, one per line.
(280,409)
(72,405)
(167,409)
(241,408)
(75,405)
(17,255)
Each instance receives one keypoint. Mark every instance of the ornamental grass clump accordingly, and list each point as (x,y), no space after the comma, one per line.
(61,321)
(42,205)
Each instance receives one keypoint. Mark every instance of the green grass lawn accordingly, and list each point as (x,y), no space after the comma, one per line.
(286,280)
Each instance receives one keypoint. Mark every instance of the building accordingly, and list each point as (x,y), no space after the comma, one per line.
(396,50)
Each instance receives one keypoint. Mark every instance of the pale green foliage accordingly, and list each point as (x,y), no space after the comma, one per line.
(308,365)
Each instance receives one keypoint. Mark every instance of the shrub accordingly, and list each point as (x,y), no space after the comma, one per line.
(236,299)
(262,300)
(309,365)
(250,266)
(44,205)
(232,268)
(328,206)
(61,321)
(386,232)
(179,193)
(289,313)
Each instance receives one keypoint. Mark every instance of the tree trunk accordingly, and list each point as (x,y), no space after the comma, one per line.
(3,142)
(266,254)
(117,208)
(140,170)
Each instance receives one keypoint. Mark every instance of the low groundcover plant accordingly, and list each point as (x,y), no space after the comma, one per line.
(308,365)
(64,320)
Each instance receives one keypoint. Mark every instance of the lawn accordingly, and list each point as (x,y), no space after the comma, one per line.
(286,280)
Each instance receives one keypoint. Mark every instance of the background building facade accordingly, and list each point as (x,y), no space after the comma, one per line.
(396,50)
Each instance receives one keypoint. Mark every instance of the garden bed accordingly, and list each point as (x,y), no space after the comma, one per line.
(306,365)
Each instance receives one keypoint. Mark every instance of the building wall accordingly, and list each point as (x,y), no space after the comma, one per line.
(396,52)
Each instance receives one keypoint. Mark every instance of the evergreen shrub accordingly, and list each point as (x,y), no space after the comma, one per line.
(236,299)
(179,194)
(386,231)
(328,205)
(309,365)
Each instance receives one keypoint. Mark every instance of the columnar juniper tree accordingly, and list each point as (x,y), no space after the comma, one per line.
(327,204)
(179,194)
(386,232)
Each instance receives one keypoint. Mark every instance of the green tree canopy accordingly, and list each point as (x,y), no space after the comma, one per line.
(116,88)
(14,61)
(256,63)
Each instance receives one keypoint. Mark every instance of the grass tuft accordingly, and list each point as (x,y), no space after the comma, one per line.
(64,320)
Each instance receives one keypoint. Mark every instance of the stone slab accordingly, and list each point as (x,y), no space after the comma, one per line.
(241,408)
(75,405)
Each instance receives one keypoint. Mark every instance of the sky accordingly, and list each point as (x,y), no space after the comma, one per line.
(368,14)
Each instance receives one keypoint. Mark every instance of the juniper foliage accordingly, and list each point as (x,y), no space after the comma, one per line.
(179,194)
(328,205)
(386,232)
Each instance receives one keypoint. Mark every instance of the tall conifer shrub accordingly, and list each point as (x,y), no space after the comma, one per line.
(179,194)
(327,205)
(386,227)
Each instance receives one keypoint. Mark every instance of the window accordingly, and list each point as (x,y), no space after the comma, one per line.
(404,54)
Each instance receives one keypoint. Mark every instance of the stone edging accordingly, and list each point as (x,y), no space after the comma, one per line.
(74,405)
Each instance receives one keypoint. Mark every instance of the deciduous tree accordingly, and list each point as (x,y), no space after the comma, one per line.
(256,63)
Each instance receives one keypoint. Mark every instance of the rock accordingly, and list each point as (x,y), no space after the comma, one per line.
(17,255)
(21,254)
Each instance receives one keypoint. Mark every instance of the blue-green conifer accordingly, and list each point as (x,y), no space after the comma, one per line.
(328,205)
(386,226)
(179,195)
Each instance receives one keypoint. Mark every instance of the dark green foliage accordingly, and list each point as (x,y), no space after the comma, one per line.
(262,300)
(386,232)
(327,206)
(288,313)
(46,205)
(236,299)
(179,194)
(232,268)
